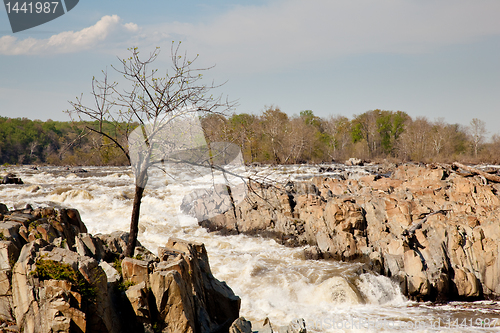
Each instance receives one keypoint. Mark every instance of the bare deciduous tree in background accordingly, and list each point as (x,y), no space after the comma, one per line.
(275,124)
(477,131)
(149,101)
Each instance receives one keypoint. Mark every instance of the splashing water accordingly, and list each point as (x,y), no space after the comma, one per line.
(272,280)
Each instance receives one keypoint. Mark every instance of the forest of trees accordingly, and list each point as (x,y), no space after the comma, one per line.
(24,141)
(272,137)
(275,137)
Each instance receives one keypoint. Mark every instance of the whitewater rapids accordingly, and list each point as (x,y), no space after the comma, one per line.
(272,280)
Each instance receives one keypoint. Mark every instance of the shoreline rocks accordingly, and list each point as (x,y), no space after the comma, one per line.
(388,223)
(11,178)
(54,276)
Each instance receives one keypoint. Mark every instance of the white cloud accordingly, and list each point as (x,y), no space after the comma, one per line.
(108,27)
(287,32)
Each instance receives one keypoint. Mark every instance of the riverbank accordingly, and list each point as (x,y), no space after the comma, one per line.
(57,277)
(434,229)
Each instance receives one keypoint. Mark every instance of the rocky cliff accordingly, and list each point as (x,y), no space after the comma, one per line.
(55,277)
(435,229)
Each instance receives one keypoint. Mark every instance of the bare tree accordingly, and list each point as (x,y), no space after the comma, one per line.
(415,141)
(275,127)
(477,131)
(339,129)
(151,102)
(365,128)
(33,145)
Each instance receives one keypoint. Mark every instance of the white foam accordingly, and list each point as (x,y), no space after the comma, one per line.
(272,280)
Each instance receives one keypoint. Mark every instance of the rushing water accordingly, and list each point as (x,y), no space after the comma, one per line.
(272,280)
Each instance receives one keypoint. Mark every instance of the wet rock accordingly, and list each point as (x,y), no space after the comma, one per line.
(33,188)
(297,326)
(12,179)
(354,161)
(313,253)
(241,325)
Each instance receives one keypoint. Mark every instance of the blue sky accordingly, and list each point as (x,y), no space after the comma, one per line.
(428,58)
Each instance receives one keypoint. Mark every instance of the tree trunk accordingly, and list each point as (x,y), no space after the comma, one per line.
(134,222)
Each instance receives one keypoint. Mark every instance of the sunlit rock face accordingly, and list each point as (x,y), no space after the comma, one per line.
(453,254)
(54,276)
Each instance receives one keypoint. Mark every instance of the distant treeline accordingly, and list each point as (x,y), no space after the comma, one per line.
(24,141)
(272,137)
(275,137)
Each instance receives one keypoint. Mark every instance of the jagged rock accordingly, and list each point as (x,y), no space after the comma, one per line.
(116,242)
(184,266)
(142,253)
(135,271)
(8,256)
(42,304)
(138,295)
(10,231)
(112,274)
(466,283)
(241,325)
(56,312)
(72,216)
(354,161)
(175,292)
(3,209)
(173,301)
(11,179)
(454,254)
(87,245)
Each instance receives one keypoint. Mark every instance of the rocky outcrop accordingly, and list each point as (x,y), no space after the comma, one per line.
(55,277)
(55,289)
(387,222)
(11,178)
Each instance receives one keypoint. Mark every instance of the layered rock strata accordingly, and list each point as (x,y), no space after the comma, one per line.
(55,277)
(435,229)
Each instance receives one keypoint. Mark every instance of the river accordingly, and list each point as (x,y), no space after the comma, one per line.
(272,280)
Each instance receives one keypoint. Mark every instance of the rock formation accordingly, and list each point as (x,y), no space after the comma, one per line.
(435,229)
(55,277)
(11,178)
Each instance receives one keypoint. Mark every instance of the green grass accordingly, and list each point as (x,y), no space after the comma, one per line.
(53,270)
(124,285)
(117,264)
